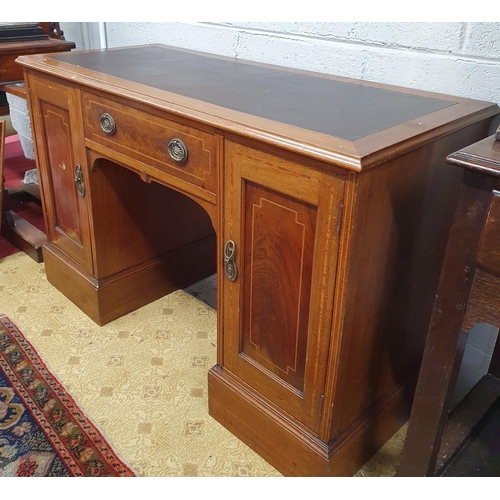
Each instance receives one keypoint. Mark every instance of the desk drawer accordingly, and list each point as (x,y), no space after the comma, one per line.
(145,137)
(489,245)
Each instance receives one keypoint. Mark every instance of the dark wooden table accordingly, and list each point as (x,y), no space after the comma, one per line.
(27,38)
(466,441)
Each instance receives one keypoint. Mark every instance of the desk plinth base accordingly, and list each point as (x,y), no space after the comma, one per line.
(110,298)
(291,448)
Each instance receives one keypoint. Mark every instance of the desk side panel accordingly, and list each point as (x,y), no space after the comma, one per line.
(400,226)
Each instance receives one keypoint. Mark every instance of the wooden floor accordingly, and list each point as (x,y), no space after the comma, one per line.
(480,456)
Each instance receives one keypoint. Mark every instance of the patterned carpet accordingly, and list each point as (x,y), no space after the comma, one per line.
(43,433)
(142,379)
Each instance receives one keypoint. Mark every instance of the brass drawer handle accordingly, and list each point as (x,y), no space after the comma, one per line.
(108,124)
(177,150)
(229,263)
(78,176)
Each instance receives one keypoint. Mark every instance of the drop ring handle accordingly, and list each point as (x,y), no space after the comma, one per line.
(229,262)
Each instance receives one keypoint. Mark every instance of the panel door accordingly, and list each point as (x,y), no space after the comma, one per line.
(281,232)
(62,167)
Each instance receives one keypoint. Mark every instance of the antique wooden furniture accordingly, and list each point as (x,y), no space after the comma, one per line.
(468,293)
(27,38)
(323,204)
(2,141)
(18,39)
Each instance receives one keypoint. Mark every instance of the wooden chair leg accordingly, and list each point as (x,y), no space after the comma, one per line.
(445,342)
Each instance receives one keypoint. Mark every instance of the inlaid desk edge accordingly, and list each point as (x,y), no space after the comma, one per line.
(357,155)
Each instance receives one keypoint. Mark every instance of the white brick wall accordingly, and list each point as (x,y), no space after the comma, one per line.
(454,58)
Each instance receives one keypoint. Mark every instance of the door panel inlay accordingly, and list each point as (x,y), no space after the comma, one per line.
(58,134)
(278,289)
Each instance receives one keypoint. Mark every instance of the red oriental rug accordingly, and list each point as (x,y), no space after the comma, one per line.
(42,430)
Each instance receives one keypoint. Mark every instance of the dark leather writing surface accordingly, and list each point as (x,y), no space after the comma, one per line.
(345,110)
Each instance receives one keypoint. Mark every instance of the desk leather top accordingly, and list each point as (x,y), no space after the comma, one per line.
(347,110)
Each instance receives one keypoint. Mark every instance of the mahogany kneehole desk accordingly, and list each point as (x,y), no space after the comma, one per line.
(322,203)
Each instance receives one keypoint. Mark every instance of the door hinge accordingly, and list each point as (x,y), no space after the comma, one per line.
(321,400)
(339,219)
